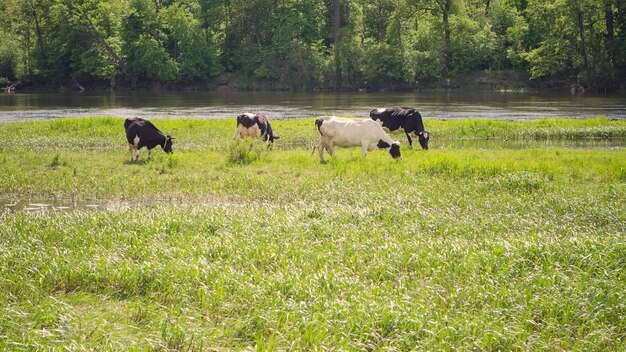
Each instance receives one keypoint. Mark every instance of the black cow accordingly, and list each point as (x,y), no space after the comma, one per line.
(142,133)
(253,125)
(396,120)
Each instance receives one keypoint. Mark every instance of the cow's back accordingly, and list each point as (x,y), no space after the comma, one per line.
(247,120)
(348,132)
(144,130)
(398,119)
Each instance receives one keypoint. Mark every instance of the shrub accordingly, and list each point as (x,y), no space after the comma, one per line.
(245,151)
(57,161)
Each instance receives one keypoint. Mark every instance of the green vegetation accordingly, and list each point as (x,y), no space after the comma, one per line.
(311,44)
(471,248)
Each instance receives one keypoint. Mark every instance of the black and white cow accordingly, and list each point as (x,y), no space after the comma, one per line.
(253,125)
(142,133)
(398,120)
(352,133)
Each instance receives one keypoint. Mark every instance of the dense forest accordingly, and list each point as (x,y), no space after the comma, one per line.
(310,44)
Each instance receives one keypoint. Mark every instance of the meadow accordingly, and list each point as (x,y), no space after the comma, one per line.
(471,245)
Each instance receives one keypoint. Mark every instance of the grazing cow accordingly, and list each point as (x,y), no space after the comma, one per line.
(396,120)
(352,133)
(142,133)
(253,125)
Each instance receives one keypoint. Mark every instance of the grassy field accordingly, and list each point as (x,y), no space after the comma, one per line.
(479,247)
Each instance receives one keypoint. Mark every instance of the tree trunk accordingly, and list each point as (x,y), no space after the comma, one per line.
(610,31)
(40,43)
(336,28)
(228,11)
(120,64)
(445,11)
(582,38)
(487,3)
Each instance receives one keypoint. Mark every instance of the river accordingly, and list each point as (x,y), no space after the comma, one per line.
(281,105)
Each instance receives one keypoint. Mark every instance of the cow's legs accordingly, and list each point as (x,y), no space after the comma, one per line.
(148,154)
(320,148)
(329,149)
(409,138)
(364,146)
(130,149)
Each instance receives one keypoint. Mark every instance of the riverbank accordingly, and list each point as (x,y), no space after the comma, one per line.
(472,247)
(486,81)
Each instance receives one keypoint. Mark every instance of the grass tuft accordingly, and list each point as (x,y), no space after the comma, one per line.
(245,151)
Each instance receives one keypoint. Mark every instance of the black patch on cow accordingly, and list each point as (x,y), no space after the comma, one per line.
(270,134)
(246,120)
(395,151)
(382,144)
(393,119)
(130,120)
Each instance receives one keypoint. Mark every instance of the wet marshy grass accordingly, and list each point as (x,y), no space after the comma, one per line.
(471,248)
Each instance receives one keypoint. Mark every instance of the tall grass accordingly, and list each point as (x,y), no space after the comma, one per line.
(215,134)
(245,151)
(446,249)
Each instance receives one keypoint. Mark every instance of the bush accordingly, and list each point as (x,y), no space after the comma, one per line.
(245,151)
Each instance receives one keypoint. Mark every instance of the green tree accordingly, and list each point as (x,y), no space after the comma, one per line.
(144,46)
(191,46)
(306,44)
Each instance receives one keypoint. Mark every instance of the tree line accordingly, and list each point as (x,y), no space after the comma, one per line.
(309,44)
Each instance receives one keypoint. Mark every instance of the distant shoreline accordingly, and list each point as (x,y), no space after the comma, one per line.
(488,81)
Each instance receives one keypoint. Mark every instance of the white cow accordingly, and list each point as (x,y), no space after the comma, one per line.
(366,133)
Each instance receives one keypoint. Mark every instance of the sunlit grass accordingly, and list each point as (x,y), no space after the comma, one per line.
(446,249)
(106,132)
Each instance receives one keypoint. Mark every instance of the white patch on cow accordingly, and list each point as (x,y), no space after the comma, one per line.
(380,110)
(250,115)
(136,141)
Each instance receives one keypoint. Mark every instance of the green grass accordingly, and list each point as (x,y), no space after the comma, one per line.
(455,248)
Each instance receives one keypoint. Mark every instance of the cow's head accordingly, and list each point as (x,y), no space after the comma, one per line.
(423,138)
(393,148)
(167,147)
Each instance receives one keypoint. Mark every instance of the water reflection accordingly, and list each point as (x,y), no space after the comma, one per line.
(218,104)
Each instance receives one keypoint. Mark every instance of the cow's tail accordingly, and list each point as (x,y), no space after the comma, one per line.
(316,128)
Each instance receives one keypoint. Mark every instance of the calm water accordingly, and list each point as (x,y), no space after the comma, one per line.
(279,105)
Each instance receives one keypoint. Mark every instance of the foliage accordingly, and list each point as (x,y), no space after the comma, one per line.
(381,44)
